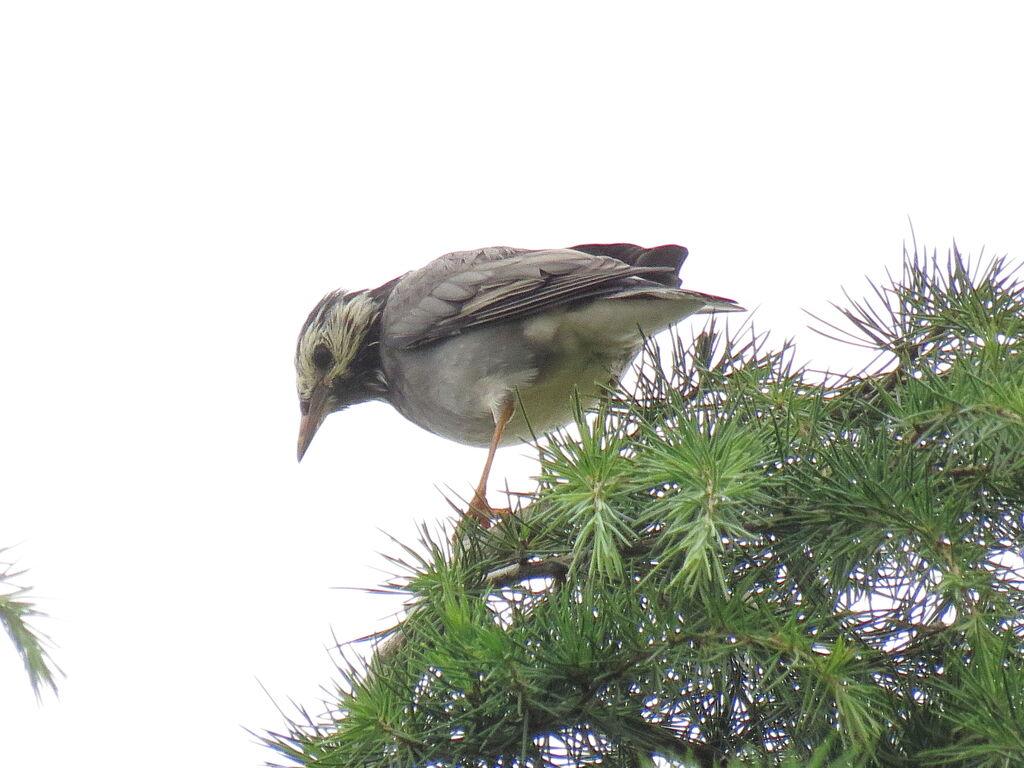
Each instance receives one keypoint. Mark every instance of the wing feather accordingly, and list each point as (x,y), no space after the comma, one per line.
(470,288)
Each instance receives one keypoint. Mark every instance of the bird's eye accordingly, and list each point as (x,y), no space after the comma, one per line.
(322,357)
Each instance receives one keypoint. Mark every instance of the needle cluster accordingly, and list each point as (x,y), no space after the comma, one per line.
(16,615)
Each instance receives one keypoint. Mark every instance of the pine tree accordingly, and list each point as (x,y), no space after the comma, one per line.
(737,562)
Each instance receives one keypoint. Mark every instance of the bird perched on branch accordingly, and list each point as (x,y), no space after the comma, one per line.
(486,347)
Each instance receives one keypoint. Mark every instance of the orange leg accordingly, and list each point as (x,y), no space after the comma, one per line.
(479,508)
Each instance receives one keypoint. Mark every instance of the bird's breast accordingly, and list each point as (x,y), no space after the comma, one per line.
(456,387)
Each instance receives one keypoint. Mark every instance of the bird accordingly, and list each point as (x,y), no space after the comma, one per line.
(489,347)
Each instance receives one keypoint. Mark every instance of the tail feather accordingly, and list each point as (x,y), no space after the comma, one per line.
(668,258)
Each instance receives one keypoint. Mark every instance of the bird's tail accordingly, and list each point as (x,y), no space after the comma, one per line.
(665,258)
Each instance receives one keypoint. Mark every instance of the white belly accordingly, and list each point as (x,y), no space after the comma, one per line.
(459,386)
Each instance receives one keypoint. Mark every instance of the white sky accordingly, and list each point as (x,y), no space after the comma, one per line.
(181,181)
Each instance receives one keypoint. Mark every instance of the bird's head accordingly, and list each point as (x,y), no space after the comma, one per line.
(337,362)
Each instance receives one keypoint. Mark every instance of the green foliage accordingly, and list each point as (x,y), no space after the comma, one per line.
(15,613)
(738,562)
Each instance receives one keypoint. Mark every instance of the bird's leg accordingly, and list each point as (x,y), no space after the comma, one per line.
(479,508)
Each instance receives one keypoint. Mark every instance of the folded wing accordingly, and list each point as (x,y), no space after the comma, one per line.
(491,285)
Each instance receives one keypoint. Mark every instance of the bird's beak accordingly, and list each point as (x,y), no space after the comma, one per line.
(313,417)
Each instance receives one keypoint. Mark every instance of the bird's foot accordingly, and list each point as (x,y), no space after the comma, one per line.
(482,512)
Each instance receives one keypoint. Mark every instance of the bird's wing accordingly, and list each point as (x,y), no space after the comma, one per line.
(470,288)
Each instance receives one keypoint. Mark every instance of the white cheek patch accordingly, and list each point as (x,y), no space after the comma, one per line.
(342,331)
